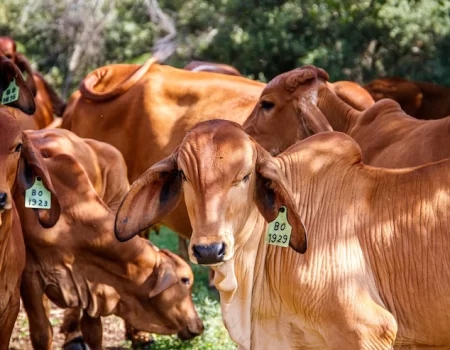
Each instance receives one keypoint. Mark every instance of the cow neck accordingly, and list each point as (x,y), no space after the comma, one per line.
(5,237)
(340,115)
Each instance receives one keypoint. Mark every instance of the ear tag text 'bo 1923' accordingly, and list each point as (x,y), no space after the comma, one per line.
(279,232)
(11,94)
(37,196)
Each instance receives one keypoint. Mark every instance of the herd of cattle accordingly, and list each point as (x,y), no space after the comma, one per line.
(324,215)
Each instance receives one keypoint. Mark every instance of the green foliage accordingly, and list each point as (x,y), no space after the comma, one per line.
(352,39)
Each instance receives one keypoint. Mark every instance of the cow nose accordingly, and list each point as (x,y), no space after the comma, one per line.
(209,254)
(3,197)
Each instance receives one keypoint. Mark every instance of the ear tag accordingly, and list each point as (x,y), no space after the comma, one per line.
(37,196)
(279,232)
(11,94)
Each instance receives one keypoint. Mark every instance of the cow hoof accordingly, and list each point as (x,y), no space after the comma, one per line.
(142,344)
(76,344)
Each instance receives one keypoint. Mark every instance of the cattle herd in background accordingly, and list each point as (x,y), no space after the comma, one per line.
(323,214)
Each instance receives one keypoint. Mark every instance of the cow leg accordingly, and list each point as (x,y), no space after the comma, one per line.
(92,331)
(183,248)
(41,332)
(139,339)
(8,319)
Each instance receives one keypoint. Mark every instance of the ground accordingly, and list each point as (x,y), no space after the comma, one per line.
(206,301)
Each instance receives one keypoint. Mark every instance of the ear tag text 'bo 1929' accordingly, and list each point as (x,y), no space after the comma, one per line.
(279,232)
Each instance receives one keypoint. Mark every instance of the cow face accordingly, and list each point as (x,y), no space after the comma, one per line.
(223,173)
(287,110)
(8,50)
(164,303)
(21,163)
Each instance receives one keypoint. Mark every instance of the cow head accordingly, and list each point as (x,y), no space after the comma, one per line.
(226,177)
(162,302)
(287,110)
(405,92)
(8,73)
(8,50)
(21,164)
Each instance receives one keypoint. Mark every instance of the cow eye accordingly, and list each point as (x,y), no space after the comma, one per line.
(9,56)
(267,105)
(246,178)
(18,147)
(185,280)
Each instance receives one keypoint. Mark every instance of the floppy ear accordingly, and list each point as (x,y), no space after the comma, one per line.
(25,66)
(272,192)
(151,197)
(9,72)
(165,276)
(32,165)
(310,115)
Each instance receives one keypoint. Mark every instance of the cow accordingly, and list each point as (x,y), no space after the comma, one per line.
(365,265)
(203,66)
(422,100)
(78,262)
(299,103)
(9,75)
(20,164)
(47,100)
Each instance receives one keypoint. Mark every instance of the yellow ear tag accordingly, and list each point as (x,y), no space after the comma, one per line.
(37,196)
(11,94)
(279,232)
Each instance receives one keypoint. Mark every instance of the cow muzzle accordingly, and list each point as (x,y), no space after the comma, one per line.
(4,203)
(209,254)
(194,329)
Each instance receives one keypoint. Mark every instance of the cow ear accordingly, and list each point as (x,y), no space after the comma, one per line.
(31,165)
(311,117)
(151,198)
(272,193)
(8,73)
(165,276)
(25,66)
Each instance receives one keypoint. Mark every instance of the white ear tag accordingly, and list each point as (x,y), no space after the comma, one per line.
(37,196)
(279,232)
(11,94)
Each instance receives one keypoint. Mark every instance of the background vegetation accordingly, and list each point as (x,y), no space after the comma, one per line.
(352,39)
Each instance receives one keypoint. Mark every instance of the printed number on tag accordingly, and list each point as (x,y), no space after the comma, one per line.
(11,94)
(279,232)
(37,196)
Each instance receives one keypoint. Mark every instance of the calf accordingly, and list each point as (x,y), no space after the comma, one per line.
(299,103)
(21,164)
(78,263)
(375,274)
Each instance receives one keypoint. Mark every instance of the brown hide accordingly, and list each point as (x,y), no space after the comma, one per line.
(375,275)
(79,264)
(46,99)
(20,165)
(145,111)
(387,136)
(419,99)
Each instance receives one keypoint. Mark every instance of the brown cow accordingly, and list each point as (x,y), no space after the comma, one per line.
(375,274)
(203,66)
(21,164)
(47,100)
(9,73)
(419,99)
(146,111)
(299,103)
(78,262)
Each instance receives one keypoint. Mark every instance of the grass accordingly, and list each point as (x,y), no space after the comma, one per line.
(207,304)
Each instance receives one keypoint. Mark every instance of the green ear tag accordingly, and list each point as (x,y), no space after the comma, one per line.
(279,232)
(11,94)
(37,196)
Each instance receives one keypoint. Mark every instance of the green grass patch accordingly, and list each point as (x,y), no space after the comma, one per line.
(207,304)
